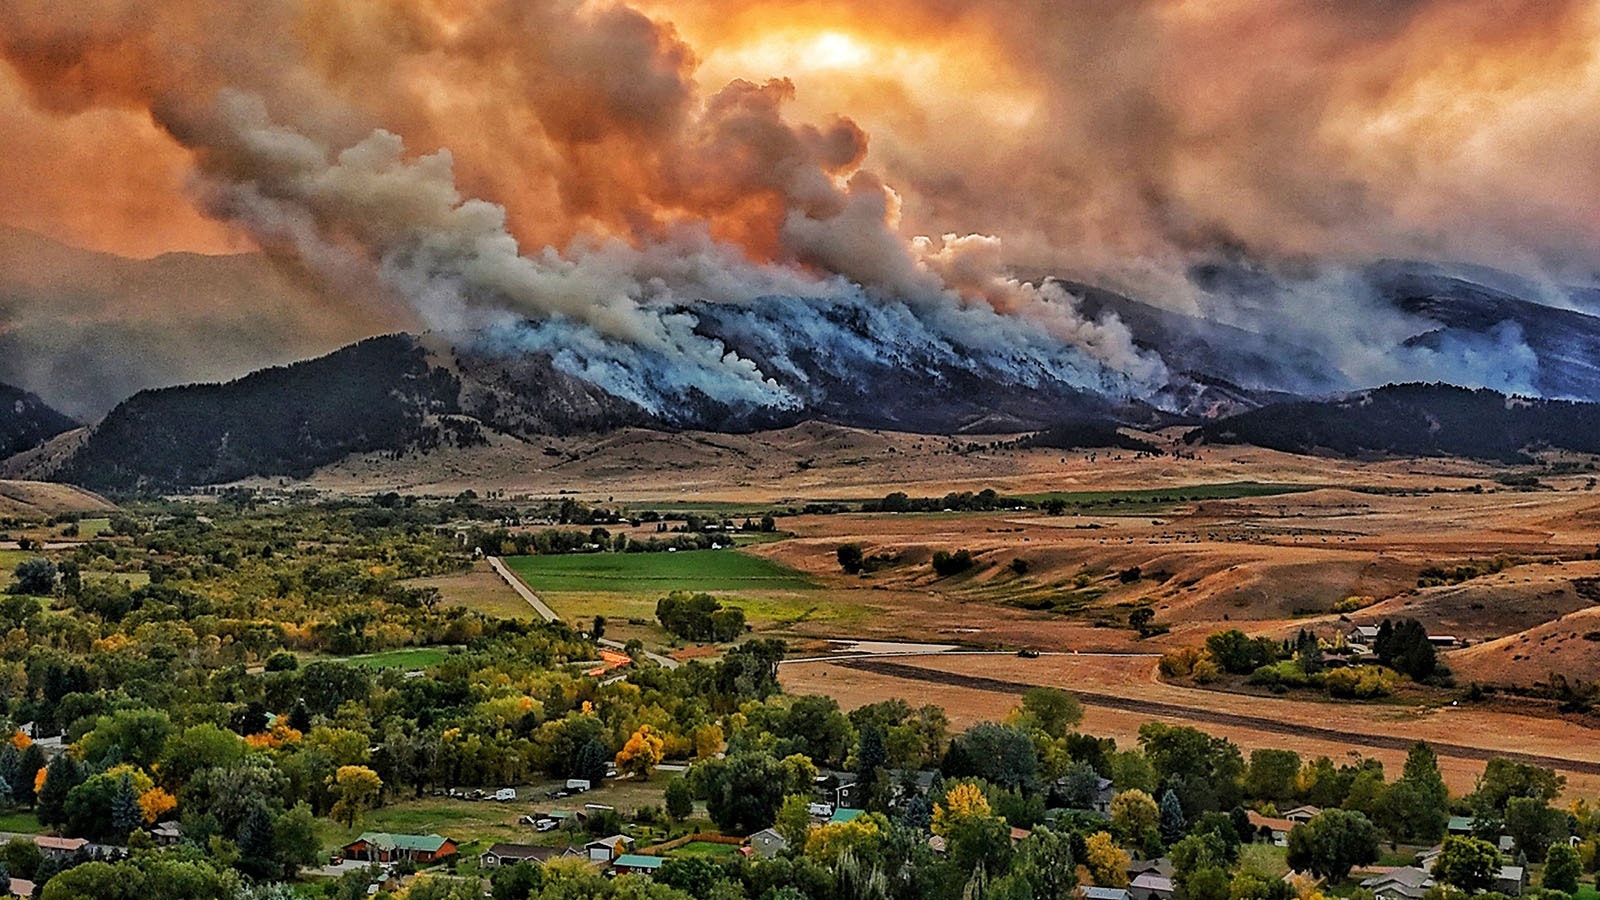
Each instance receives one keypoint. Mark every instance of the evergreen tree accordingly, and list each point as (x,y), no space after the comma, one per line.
(300,717)
(871,755)
(61,776)
(126,816)
(1173,824)
(591,761)
(10,763)
(255,843)
(28,766)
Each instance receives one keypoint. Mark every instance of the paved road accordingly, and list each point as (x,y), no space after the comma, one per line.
(526,593)
(1173,710)
(549,615)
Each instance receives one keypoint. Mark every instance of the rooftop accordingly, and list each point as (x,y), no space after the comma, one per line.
(420,843)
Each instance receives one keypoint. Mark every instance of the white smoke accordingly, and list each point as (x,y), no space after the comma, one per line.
(628,319)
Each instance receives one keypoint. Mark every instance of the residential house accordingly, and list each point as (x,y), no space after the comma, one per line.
(845,815)
(767,843)
(1511,880)
(59,847)
(1426,858)
(607,849)
(839,788)
(1095,892)
(1160,866)
(511,854)
(1150,879)
(907,783)
(1459,825)
(377,846)
(21,887)
(635,864)
(1275,831)
(1018,835)
(1104,793)
(1302,814)
(1361,635)
(166,834)
(1150,886)
(1403,883)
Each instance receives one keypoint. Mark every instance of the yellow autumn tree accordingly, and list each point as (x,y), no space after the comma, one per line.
(708,741)
(356,789)
(138,778)
(1106,862)
(156,803)
(640,755)
(964,801)
(860,835)
(1133,814)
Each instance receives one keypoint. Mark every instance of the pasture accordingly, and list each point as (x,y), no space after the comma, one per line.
(407,658)
(712,571)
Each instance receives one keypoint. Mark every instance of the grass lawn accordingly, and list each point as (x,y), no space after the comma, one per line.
(20,822)
(89,529)
(1265,858)
(8,564)
(706,848)
(476,824)
(624,587)
(408,658)
(658,573)
(1402,857)
(1586,892)
(131,579)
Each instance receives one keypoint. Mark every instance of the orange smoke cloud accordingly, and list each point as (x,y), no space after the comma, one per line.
(1101,136)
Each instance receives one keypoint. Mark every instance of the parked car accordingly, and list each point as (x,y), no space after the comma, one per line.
(546,824)
(1028,653)
(578,785)
(505,795)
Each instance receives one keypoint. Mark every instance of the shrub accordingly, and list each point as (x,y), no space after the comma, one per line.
(946,564)
(1360,682)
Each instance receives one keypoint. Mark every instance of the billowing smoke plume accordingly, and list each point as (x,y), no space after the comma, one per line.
(616,309)
(665,210)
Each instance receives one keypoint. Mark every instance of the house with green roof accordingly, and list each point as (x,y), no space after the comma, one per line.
(845,815)
(637,864)
(378,846)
